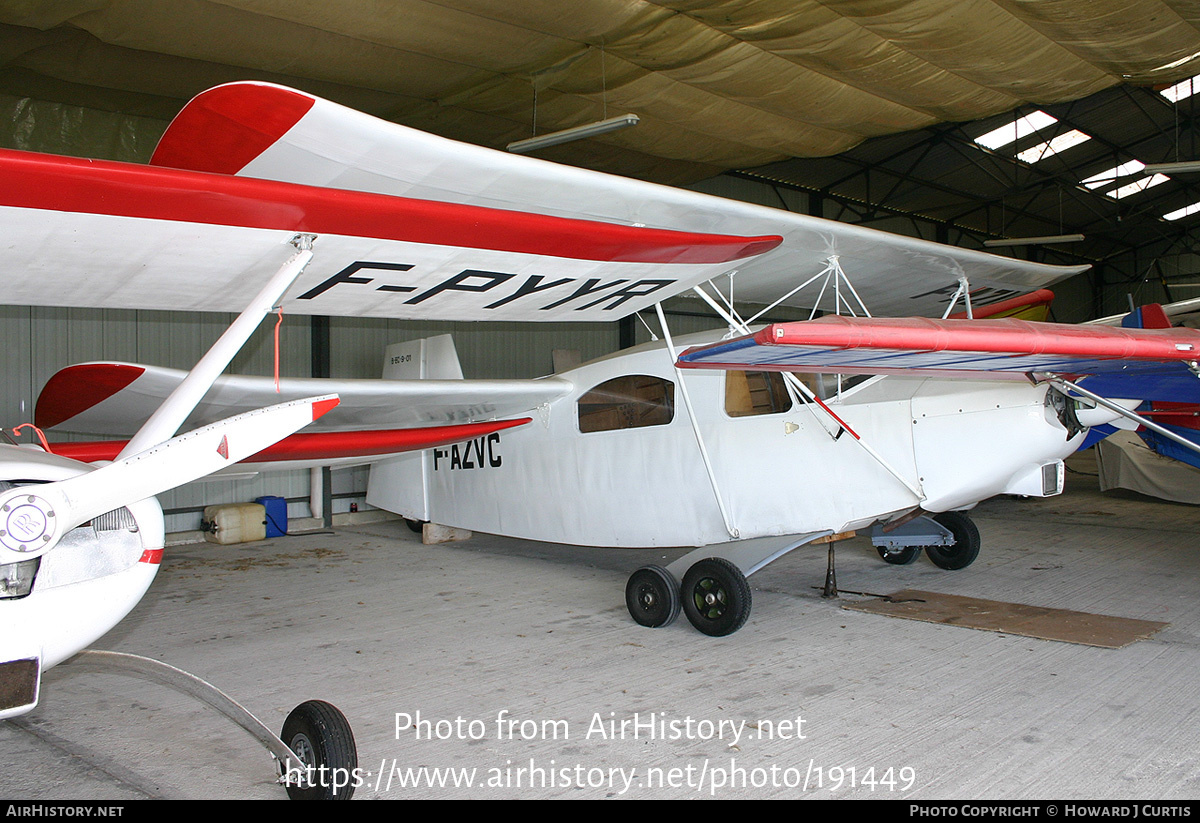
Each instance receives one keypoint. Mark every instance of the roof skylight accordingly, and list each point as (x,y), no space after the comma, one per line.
(1058,144)
(1014,131)
(1182,89)
(1110,176)
(1135,187)
(1186,211)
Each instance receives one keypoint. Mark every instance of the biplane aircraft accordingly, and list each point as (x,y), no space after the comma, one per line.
(743,447)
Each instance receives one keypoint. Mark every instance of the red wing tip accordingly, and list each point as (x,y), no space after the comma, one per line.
(76,389)
(223,129)
(320,407)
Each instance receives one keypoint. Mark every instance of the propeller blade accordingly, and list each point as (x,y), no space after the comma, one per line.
(33,518)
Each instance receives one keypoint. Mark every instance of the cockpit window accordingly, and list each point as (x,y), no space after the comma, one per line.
(753,393)
(749,393)
(629,402)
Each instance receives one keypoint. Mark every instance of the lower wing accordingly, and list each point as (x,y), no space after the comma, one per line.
(376,418)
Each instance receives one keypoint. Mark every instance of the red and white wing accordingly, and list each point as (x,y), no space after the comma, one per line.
(120,235)
(376,418)
(1002,349)
(270,132)
(112,398)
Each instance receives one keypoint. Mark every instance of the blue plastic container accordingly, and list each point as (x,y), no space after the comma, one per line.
(276,511)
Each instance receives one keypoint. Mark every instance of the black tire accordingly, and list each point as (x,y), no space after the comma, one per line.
(716,597)
(414,525)
(321,736)
(652,597)
(899,557)
(965,548)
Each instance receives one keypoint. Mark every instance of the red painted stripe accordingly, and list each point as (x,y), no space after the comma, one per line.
(152,556)
(67,184)
(322,445)
(223,129)
(1007,336)
(69,392)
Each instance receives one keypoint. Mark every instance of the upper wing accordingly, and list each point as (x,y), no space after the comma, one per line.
(1142,363)
(113,398)
(120,235)
(270,132)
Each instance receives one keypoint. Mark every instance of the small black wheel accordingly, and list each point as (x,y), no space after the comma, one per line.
(321,737)
(652,597)
(965,548)
(414,525)
(899,557)
(716,596)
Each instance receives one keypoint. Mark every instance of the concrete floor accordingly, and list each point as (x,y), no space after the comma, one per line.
(828,702)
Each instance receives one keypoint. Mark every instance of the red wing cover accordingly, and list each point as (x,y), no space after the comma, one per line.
(1005,348)
(323,446)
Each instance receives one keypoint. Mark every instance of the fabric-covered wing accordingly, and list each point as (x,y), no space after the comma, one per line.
(320,448)
(112,399)
(1142,363)
(120,235)
(264,131)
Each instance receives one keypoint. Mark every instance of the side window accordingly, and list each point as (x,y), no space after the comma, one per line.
(748,393)
(629,402)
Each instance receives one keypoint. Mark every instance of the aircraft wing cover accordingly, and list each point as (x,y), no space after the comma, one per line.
(1132,362)
(113,399)
(132,236)
(271,132)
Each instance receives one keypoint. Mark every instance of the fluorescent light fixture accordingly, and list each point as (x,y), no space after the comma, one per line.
(1110,175)
(577,133)
(1186,211)
(1136,186)
(1172,168)
(1014,131)
(1034,241)
(1051,147)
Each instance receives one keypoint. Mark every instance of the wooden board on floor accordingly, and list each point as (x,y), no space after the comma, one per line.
(1011,618)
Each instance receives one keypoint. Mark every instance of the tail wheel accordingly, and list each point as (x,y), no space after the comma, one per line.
(652,597)
(716,597)
(965,548)
(899,557)
(321,737)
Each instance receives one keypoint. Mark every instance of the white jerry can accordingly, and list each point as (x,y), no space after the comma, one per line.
(231,523)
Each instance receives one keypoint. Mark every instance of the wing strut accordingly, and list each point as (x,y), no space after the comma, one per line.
(687,401)
(167,419)
(876,456)
(964,291)
(1063,385)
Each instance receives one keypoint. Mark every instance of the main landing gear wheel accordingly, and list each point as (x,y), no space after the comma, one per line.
(321,737)
(652,597)
(716,597)
(899,557)
(965,548)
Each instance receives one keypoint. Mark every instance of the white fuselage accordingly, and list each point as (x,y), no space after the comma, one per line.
(946,445)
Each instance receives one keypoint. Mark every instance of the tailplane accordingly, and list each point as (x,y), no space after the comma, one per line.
(431,358)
